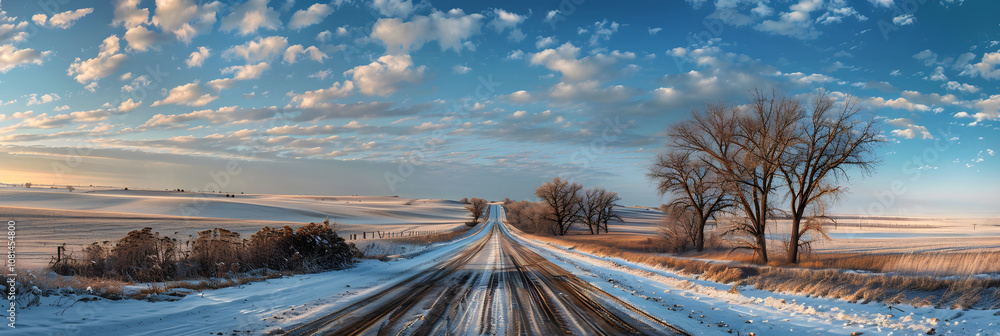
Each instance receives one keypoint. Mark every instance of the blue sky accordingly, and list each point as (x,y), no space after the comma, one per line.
(448,99)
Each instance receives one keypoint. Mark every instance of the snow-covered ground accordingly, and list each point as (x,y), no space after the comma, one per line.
(697,306)
(50,217)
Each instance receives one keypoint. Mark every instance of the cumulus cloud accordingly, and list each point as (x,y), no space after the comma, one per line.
(590,91)
(107,61)
(504,20)
(13,32)
(542,42)
(318,98)
(250,16)
(11,57)
(460,69)
(128,14)
(898,103)
(141,39)
(62,20)
(314,53)
(396,8)
(197,58)
(245,72)
(909,130)
(450,30)
(564,60)
(184,18)
(797,22)
(35,99)
(514,55)
(310,16)
(128,105)
(989,66)
(384,76)
(188,94)
(801,78)
(961,87)
(263,48)
(903,20)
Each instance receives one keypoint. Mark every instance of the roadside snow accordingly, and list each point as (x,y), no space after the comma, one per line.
(708,308)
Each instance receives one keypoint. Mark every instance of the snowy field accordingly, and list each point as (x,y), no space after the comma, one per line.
(697,306)
(850,235)
(49,217)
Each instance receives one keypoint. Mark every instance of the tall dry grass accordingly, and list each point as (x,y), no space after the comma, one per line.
(919,283)
(931,264)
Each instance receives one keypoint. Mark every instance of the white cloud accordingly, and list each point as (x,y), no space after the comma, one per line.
(989,66)
(395,8)
(883,3)
(322,74)
(187,94)
(245,72)
(185,19)
(451,30)
(310,16)
(909,130)
(801,78)
(11,57)
(795,23)
(564,60)
(35,99)
(197,58)
(460,69)
(263,48)
(542,42)
(590,91)
(107,61)
(927,56)
(654,30)
(59,108)
(961,87)
(314,53)
(938,75)
(128,14)
(318,98)
(250,16)
(383,76)
(602,31)
(898,103)
(514,55)
(62,20)
(903,20)
(141,39)
(324,36)
(519,97)
(13,32)
(128,105)
(504,20)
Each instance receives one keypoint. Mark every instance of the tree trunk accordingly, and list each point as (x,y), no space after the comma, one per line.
(700,237)
(762,247)
(793,247)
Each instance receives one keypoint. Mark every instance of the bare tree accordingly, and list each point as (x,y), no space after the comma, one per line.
(700,191)
(597,209)
(563,201)
(826,144)
(745,149)
(527,216)
(27,184)
(477,206)
(680,226)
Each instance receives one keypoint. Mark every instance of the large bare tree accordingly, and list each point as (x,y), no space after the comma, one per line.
(826,144)
(597,209)
(745,147)
(563,200)
(698,188)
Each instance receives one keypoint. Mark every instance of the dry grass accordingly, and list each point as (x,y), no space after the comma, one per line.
(932,264)
(433,238)
(919,283)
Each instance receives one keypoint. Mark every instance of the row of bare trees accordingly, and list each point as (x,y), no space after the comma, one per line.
(745,161)
(563,204)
